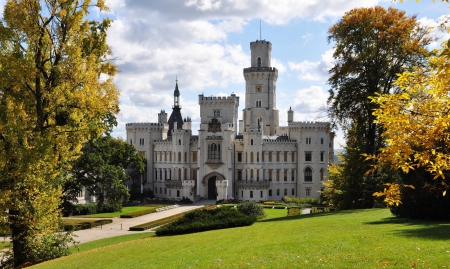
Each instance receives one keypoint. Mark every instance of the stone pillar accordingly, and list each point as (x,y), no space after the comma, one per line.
(221,186)
(188,189)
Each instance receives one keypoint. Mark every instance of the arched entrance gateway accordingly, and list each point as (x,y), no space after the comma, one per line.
(210,185)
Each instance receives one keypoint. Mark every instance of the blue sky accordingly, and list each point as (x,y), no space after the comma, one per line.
(206,44)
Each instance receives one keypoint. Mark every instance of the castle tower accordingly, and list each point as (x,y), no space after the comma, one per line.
(175,120)
(260,94)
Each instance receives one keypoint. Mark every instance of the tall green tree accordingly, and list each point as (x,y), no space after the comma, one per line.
(372,46)
(101,170)
(56,92)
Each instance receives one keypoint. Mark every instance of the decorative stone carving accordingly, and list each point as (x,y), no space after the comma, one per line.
(214,126)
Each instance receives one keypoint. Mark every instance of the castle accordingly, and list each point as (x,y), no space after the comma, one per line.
(260,160)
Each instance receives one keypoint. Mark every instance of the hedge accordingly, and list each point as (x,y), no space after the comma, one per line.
(294,211)
(75,224)
(206,220)
(138,213)
(156,223)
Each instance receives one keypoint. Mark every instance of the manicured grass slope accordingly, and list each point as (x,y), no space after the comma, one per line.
(348,239)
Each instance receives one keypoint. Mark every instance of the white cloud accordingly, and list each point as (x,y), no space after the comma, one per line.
(314,71)
(309,101)
(436,30)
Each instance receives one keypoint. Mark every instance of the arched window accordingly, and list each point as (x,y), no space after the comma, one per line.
(179,157)
(259,62)
(251,141)
(185,157)
(308,174)
(214,151)
(251,157)
(179,141)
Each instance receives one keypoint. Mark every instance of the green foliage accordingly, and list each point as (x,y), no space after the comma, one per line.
(76,224)
(101,170)
(251,209)
(156,223)
(71,209)
(294,211)
(139,213)
(424,200)
(205,220)
(302,200)
(56,92)
(372,46)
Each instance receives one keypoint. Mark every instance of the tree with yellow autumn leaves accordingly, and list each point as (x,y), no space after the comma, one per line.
(417,132)
(56,92)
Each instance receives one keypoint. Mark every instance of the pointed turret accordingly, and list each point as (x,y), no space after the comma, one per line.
(175,120)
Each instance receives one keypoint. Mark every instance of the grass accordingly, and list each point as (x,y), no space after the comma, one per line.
(109,241)
(125,210)
(347,239)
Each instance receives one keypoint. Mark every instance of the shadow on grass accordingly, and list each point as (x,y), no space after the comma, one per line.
(433,230)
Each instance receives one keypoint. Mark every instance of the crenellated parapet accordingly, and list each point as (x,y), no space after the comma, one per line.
(145,127)
(309,126)
(214,100)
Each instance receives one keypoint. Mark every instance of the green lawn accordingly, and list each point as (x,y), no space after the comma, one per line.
(109,241)
(125,210)
(348,239)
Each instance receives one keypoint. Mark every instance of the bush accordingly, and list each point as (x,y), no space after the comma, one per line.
(139,213)
(251,209)
(75,225)
(156,223)
(70,209)
(294,211)
(205,220)
(302,201)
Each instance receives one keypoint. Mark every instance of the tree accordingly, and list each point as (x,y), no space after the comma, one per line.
(101,170)
(56,92)
(417,131)
(372,45)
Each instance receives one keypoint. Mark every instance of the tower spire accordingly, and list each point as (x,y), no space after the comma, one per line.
(176,95)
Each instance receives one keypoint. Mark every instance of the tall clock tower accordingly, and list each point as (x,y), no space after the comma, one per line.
(260,112)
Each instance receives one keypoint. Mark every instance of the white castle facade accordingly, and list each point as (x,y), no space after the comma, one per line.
(258,161)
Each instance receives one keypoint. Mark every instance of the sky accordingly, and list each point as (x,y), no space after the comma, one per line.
(205,44)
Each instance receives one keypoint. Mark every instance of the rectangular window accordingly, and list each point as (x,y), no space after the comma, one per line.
(285,156)
(321,141)
(285,174)
(216,113)
(293,156)
(194,174)
(308,156)
(178,193)
(156,190)
(308,191)
(239,175)
(278,175)
(321,156)
(278,156)
(165,191)
(270,174)
(293,192)
(261,194)
(194,157)
(308,141)
(270,156)
(278,192)
(251,194)
(285,191)
(239,157)
(262,156)
(293,175)
(270,192)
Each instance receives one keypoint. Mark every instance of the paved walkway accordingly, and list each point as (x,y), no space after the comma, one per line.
(120,226)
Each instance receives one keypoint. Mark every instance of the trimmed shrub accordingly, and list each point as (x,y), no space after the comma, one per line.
(294,211)
(156,223)
(139,213)
(75,225)
(70,209)
(251,209)
(206,220)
